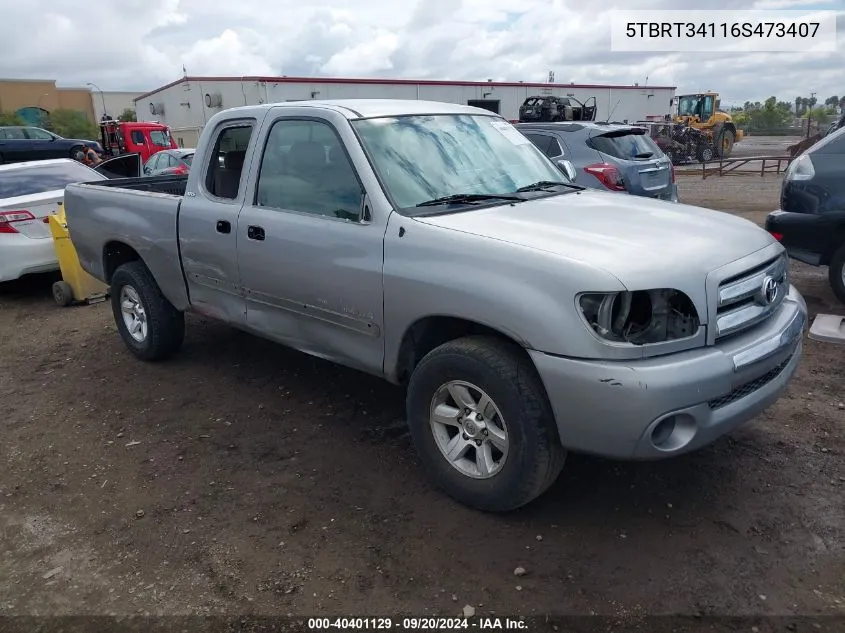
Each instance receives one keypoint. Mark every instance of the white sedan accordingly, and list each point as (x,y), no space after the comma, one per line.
(29,192)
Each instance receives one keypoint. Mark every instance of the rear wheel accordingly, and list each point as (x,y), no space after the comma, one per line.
(148,323)
(482,425)
(836,273)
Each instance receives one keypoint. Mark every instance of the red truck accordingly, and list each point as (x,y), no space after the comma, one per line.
(144,138)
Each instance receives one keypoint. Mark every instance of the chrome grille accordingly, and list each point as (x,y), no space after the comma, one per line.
(743,300)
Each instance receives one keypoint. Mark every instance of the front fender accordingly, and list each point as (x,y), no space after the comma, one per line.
(527,295)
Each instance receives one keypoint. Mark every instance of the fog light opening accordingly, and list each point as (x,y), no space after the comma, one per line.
(674,432)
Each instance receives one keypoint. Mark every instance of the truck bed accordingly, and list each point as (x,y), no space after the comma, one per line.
(125,216)
(171,185)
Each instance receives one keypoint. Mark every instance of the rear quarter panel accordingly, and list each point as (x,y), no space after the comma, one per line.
(144,221)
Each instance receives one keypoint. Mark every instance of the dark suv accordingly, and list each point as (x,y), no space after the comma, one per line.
(811,220)
(23,143)
(606,156)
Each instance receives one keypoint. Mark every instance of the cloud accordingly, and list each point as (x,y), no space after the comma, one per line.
(143,44)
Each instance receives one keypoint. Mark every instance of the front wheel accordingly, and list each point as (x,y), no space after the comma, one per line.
(482,425)
(726,143)
(836,273)
(705,153)
(148,323)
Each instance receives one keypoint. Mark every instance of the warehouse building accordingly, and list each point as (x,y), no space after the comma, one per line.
(187,104)
(33,100)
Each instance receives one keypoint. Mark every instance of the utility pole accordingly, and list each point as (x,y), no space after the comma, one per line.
(810,113)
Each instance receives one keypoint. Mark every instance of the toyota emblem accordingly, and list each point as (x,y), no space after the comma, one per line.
(769,291)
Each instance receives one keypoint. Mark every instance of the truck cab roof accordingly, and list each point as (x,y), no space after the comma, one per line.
(369,108)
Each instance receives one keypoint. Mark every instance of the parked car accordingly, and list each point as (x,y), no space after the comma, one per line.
(613,157)
(811,220)
(29,192)
(434,245)
(169,161)
(23,143)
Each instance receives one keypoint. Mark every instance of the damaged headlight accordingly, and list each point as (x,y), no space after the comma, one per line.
(640,317)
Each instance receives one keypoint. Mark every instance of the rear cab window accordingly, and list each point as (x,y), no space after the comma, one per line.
(625,144)
(25,181)
(225,166)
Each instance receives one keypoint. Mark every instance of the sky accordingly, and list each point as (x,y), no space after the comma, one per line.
(143,44)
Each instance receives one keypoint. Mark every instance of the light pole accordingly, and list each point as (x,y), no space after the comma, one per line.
(102,96)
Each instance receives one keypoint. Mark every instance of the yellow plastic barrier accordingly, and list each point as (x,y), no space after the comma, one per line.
(76,285)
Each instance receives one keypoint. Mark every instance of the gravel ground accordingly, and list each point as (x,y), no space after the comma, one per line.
(242,477)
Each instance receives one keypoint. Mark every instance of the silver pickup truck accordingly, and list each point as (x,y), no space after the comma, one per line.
(433,245)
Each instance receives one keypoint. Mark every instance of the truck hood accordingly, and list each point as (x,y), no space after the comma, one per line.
(644,243)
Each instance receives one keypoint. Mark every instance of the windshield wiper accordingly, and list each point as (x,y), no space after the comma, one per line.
(644,155)
(460,198)
(545,184)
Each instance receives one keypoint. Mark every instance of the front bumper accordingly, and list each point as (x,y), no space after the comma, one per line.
(20,255)
(669,405)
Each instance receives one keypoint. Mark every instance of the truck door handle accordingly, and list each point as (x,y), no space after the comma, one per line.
(223,226)
(255,233)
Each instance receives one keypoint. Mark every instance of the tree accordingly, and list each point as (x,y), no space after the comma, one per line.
(772,114)
(127,116)
(71,124)
(832,101)
(819,115)
(10,118)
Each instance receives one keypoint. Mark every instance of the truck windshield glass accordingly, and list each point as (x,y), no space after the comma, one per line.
(426,157)
(28,180)
(160,138)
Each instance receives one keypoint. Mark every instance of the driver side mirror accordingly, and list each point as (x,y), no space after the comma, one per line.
(567,168)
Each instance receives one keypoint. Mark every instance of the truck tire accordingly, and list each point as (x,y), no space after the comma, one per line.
(148,323)
(836,273)
(506,451)
(726,143)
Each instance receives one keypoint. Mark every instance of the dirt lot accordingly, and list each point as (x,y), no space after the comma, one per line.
(242,477)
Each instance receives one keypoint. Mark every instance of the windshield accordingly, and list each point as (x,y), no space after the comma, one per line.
(687,106)
(420,158)
(160,138)
(25,181)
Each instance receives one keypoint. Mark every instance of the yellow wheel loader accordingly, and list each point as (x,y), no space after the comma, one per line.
(701,111)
